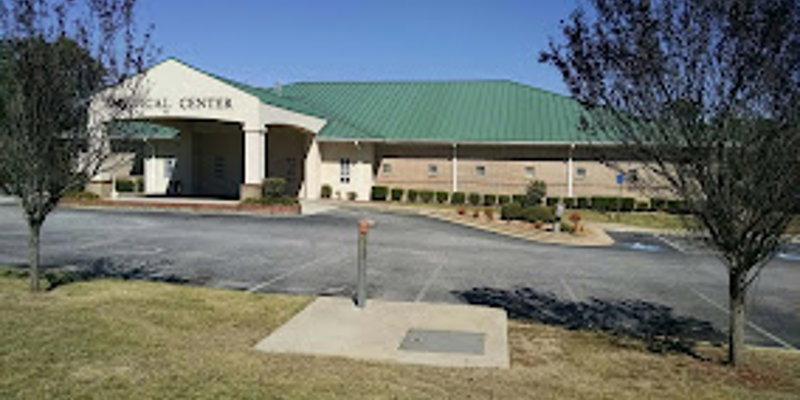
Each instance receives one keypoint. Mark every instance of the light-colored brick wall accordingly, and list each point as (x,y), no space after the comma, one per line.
(506,169)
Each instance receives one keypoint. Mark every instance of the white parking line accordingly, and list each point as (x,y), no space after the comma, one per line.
(674,244)
(427,286)
(569,290)
(292,272)
(750,324)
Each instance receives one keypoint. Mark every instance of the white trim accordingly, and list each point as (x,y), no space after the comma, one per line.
(467,143)
(570,177)
(455,167)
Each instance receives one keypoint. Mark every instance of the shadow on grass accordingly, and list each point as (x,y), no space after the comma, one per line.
(655,324)
(100,268)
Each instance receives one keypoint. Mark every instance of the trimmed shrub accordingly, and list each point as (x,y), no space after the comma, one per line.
(81,195)
(518,198)
(442,197)
(567,228)
(551,201)
(489,213)
(379,193)
(539,213)
(397,194)
(511,211)
(426,196)
(584,203)
(504,199)
(489,200)
(326,192)
(273,187)
(272,201)
(412,195)
(139,185)
(125,185)
(476,213)
(642,206)
(677,207)
(534,193)
(458,198)
(474,199)
(352,196)
(569,202)
(602,203)
(628,204)
(658,204)
(611,203)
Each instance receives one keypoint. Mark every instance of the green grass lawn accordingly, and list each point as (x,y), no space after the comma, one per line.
(652,220)
(136,340)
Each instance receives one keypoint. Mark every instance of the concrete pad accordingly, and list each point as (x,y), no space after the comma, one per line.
(334,326)
(312,207)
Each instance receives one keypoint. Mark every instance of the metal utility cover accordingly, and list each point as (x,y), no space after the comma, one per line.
(438,341)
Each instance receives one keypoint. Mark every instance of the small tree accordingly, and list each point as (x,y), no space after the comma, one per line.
(535,192)
(55,57)
(706,95)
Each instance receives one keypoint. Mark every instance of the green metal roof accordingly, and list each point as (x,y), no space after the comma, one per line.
(436,111)
(445,111)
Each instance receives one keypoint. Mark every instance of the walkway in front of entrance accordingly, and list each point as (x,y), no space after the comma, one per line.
(410,258)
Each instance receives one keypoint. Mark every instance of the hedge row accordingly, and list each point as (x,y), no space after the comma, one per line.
(125,185)
(613,203)
(383,193)
(600,203)
(515,211)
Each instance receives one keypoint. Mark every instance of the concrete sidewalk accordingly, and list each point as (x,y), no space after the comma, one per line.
(413,333)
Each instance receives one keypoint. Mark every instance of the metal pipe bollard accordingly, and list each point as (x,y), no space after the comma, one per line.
(361,290)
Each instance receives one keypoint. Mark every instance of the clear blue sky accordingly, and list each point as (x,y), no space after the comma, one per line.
(261,42)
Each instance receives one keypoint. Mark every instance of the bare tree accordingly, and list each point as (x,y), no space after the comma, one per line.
(705,94)
(58,59)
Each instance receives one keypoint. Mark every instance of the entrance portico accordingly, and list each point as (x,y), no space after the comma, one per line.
(229,139)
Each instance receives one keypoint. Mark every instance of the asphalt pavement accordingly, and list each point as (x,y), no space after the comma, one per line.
(410,258)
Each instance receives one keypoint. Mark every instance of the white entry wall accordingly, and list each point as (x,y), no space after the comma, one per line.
(347,167)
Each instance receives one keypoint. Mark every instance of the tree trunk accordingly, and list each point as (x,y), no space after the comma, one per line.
(737,319)
(33,254)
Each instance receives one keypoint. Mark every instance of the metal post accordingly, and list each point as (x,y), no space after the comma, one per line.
(559,215)
(361,290)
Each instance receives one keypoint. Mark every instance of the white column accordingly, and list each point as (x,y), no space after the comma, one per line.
(313,164)
(185,162)
(570,171)
(255,156)
(455,167)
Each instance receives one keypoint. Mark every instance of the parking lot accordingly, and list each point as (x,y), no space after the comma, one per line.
(410,258)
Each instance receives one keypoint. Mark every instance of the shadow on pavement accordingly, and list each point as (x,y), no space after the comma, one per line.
(108,268)
(655,324)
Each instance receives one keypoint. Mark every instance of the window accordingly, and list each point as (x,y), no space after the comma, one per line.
(480,170)
(169,168)
(291,170)
(344,170)
(632,176)
(219,167)
(530,172)
(387,168)
(580,173)
(433,169)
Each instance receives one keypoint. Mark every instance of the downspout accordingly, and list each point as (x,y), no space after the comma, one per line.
(570,172)
(455,167)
